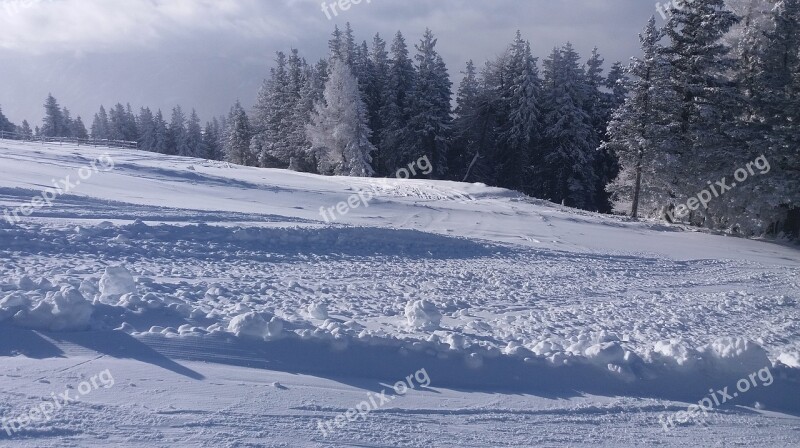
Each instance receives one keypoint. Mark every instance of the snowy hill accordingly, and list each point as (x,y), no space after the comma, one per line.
(230,313)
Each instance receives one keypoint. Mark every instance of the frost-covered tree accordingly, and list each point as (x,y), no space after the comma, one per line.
(565,172)
(5,124)
(375,97)
(775,124)
(161,141)
(66,123)
(395,112)
(465,150)
(616,85)
(709,104)
(177,141)
(122,123)
(53,122)
(429,126)
(211,140)
(147,130)
(25,130)
(272,117)
(78,129)
(237,144)
(100,125)
(639,132)
(520,95)
(194,137)
(339,132)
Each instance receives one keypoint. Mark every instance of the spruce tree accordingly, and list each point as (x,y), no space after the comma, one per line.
(53,122)
(429,126)
(194,137)
(147,130)
(395,112)
(565,171)
(639,133)
(520,95)
(709,103)
(237,145)
(100,125)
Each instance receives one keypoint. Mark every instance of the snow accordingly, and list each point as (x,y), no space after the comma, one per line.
(116,280)
(230,314)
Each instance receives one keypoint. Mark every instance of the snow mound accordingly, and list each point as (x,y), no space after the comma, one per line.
(63,310)
(790,359)
(116,281)
(318,311)
(252,325)
(675,353)
(422,315)
(736,354)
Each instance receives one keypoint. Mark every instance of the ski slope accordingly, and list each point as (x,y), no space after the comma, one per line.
(231,314)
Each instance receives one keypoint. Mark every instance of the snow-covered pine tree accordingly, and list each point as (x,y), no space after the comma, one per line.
(465,150)
(194,137)
(5,124)
(176,133)
(395,110)
(237,145)
(53,122)
(335,44)
(147,130)
(25,130)
(565,169)
(429,126)
(520,94)
(339,132)
(617,85)
(375,97)
(639,132)
(66,123)
(161,133)
(211,140)
(709,105)
(598,106)
(100,125)
(122,124)
(776,104)
(78,129)
(349,49)
(302,156)
(272,118)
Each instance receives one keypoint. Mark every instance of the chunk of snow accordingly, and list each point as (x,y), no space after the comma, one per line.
(423,315)
(737,354)
(116,281)
(252,325)
(318,311)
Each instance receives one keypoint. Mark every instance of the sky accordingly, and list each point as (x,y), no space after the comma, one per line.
(206,54)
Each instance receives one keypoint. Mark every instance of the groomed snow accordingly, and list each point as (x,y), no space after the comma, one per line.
(231,314)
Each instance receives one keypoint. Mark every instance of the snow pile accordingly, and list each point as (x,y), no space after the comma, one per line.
(318,311)
(422,315)
(252,325)
(675,353)
(116,281)
(62,310)
(736,354)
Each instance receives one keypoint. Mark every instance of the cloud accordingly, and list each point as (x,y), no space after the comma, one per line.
(208,53)
(47,26)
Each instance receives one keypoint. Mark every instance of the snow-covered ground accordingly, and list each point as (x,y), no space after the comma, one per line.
(200,303)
